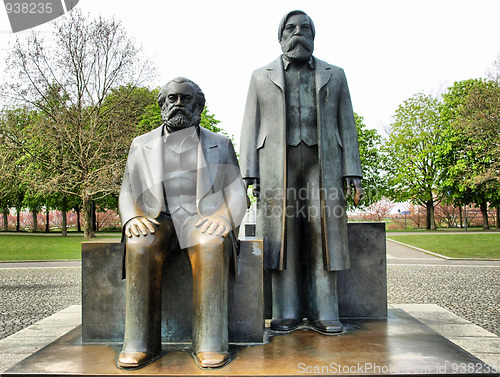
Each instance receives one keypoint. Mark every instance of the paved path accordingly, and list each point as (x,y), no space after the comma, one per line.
(41,264)
(470,289)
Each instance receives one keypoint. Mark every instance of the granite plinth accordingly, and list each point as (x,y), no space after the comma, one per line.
(397,345)
(362,289)
(103,295)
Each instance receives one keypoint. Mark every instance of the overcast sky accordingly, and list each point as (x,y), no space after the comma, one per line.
(389,50)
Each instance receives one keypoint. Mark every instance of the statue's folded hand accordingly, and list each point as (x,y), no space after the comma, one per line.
(217,225)
(140,225)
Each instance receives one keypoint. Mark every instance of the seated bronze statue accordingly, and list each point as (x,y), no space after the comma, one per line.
(182,190)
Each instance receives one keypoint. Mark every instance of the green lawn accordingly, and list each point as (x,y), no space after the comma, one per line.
(455,245)
(34,247)
(38,247)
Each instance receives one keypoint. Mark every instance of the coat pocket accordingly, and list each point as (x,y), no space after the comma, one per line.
(339,139)
(261,141)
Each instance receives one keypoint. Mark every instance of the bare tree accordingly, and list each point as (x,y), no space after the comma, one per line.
(449,214)
(78,144)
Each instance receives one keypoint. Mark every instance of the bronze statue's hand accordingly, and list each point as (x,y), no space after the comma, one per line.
(256,190)
(217,225)
(256,186)
(358,188)
(140,225)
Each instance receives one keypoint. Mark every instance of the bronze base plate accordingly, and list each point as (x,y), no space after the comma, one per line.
(397,345)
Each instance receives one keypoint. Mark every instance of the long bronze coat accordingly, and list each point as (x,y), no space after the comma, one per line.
(263,156)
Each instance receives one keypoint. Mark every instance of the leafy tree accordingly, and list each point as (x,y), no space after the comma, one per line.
(372,163)
(413,148)
(133,109)
(471,111)
(13,126)
(77,141)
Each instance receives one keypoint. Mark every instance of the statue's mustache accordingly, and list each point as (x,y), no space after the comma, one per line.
(294,41)
(178,110)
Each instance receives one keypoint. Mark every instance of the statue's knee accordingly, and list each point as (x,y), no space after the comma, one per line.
(218,242)
(210,241)
(141,243)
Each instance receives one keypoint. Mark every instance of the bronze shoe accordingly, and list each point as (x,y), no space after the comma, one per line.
(211,359)
(284,324)
(134,360)
(327,326)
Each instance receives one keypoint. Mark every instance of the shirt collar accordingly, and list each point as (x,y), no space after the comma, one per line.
(193,135)
(286,63)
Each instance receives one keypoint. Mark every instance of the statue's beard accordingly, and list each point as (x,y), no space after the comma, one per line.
(298,48)
(179,119)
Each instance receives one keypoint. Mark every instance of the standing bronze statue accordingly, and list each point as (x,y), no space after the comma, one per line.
(182,190)
(299,150)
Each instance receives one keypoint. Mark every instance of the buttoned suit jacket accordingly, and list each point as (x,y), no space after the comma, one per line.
(219,188)
(263,156)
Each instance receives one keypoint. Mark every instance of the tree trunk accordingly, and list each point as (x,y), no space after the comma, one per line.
(35,219)
(6,219)
(461,218)
(78,223)
(47,220)
(427,217)
(498,217)
(88,231)
(484,212)
(93,214)
(431,223)
(64,211)
(18,219)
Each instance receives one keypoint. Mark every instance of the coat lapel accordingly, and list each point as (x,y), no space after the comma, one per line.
(276,73)
(208,163)
(153,161)
(323,74)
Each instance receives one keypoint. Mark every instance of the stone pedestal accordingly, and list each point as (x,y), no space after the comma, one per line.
(362,289)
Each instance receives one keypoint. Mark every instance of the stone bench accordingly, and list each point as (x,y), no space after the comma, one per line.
(103,295)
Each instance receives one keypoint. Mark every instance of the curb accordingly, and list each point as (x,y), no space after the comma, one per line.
(40,261)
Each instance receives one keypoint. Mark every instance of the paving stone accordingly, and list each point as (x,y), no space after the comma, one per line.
(471,292)
(460,330)
(486,345)
(28,295)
